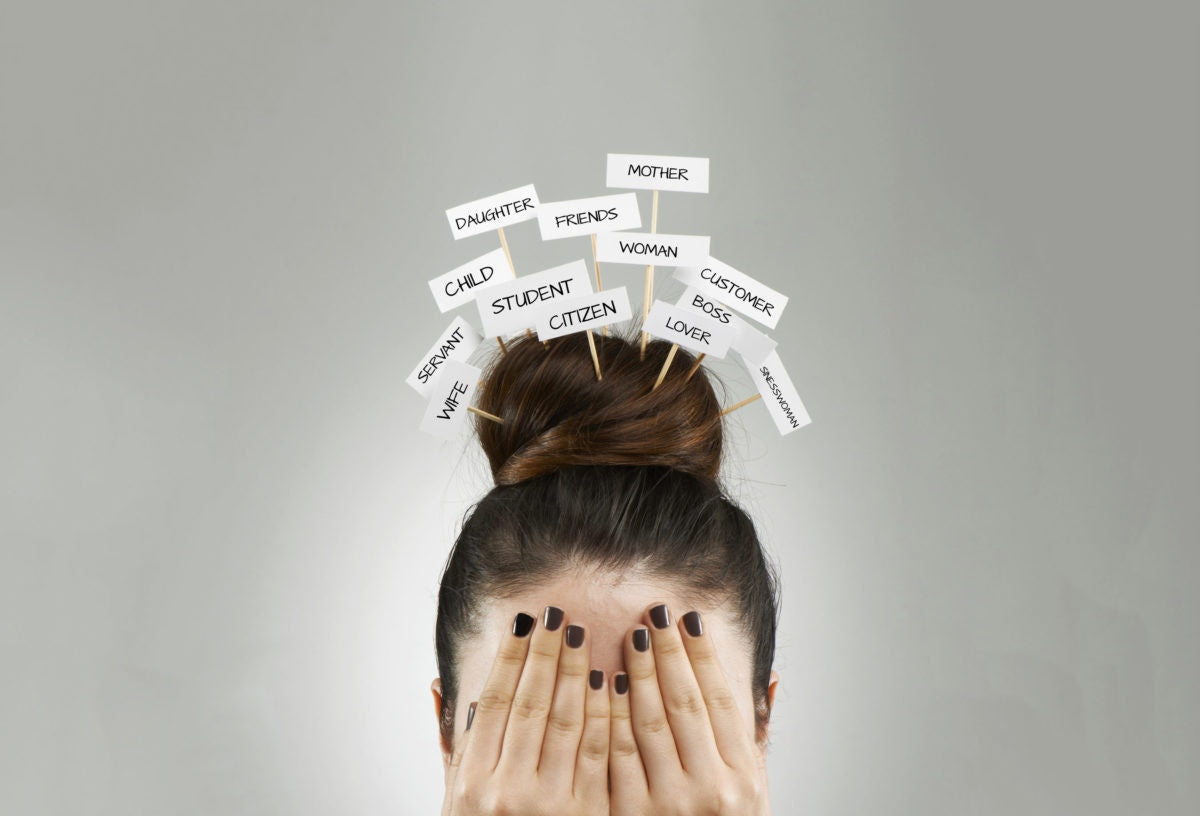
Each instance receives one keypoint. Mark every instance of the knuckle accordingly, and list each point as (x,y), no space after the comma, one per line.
(494,700)
(623,748)
(687,702)
(573,669)
(669,646)
(654,725)
(721,701)
(530,707)
(544,649)
(641,672)
(593,748)
(563,724)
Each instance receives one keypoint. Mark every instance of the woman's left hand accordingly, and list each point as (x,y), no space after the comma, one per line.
(679,745)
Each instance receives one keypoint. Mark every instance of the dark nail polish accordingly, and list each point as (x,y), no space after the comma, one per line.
(691,622)
(641,639)
(574,636)
(621,683)
(522,624)
(596,679)
(471,715)
(553,618)
(660,617)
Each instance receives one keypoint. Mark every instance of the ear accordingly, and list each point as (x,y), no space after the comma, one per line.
(772,687)
(436,688)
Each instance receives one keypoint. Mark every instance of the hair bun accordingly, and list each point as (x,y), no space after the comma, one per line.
(558,415)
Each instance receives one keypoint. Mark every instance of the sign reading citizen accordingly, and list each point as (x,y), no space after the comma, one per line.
(492,212)
(680,174)
(588,216)
(583,313)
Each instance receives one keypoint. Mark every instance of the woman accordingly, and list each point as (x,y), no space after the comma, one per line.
(606,619)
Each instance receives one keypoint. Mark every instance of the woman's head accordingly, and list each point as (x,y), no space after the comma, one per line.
(606,500)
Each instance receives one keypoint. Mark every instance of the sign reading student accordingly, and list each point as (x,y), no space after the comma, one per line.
(457,342)
(753,345)
(463,284)
(493,212)
(782,399)
(588,216)
(738,290)
(652,248)
(680,174)
(516,304)
(452,391)
(584,313)
(693,331)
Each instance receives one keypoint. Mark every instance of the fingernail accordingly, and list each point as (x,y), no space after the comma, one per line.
(596,679)
(660,617)
(691,622)
(522,624)
(621,683)
(641,639)
(574,636)
(470,716)
(553,618)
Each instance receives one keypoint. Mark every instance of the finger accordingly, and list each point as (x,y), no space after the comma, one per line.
(564,728)
(531,704)
(681,695)
(491,712)
(733,741)
(629,785)
(651,729)
(460,747)
(591,766)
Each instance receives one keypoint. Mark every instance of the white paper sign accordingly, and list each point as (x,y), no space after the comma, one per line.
(453,390)
(738,290)
(586,216)
(456,343)
(576,314)
(461,285)
(783,402)
(694,332)
(680,174)
(644,248)
(515,305)
(492,212)
(753,345)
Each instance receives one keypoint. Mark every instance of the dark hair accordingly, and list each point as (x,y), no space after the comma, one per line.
(610,473)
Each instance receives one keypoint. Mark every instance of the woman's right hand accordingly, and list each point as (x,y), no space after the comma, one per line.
(538,740)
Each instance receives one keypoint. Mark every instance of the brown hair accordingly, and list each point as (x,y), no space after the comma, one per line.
(609,473)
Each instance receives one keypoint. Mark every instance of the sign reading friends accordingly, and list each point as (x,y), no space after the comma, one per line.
(693,331)
(453,391)
(588,216)
(652,248)
(782,399)
(463,284)
(584,313)
(457,342)
(753,345)
(680,174)
(725,284)
(516,304)
(493,212)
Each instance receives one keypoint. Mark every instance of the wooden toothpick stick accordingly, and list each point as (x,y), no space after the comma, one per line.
(695,367)
(599,282)
(666,364)
(595,357)
(648,290)
(503,347)
(507,254)
(741,404)
(485,414)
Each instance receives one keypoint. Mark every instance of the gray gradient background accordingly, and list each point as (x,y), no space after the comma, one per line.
(222,533)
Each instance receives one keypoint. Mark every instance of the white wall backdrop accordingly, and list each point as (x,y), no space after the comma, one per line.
(221,531)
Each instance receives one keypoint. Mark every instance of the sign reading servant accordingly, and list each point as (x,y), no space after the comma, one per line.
(492,212)
(584,313)
(515,305)
(453,390)
(694,332)
(753,345)
(644,248)
(588,216)
(461,285)
(722,282)
(783,402)
(456,343)
(680,174)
